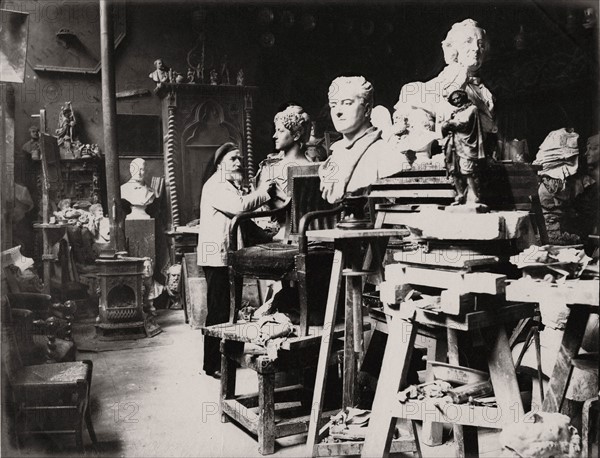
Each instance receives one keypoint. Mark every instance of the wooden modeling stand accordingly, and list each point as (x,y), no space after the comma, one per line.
(582,297)
(457,314)
(346,263)
(272,412)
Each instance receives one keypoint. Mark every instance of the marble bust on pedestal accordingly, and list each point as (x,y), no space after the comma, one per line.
(136,192)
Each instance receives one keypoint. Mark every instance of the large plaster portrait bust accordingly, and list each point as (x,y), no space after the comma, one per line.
(136,192)
(464,48)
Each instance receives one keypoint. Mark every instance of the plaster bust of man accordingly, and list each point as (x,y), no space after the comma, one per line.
(32,147)
(161,74)
(464,48)
(136,192)
(354,162)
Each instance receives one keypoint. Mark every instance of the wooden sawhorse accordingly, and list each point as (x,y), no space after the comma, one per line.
(347,263)
(396,360)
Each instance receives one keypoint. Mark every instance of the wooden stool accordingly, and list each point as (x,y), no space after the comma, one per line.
(402,333)
(258,412)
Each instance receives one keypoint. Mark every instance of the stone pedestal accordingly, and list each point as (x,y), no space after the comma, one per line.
(194,291)
(140,235)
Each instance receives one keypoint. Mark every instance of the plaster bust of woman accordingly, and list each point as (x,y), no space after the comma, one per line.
(464,48)
(136,192)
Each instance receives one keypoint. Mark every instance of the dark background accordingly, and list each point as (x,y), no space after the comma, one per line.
(292,51)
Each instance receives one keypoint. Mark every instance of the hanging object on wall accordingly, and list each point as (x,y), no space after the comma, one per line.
(13,52)
(288,19)
(589,18)
(571,22)
(265,16)
(520,39)
(308,22)
(267,40)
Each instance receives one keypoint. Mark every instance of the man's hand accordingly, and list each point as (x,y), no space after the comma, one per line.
(268,186)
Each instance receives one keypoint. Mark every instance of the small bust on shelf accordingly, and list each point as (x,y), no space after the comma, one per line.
(213,75)
(32,147)
(136,192)
(161,72)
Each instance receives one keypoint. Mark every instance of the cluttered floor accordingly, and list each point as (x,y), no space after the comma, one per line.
(151,399)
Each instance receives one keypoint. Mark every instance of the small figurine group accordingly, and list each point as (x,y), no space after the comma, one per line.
(89,150)
(164,74)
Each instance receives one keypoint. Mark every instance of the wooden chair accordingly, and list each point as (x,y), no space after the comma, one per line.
(293,261)
(47,398)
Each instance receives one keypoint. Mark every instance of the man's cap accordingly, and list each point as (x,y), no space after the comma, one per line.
(223,150)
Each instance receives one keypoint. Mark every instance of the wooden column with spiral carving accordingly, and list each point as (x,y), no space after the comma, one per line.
(248,131)
(170,161)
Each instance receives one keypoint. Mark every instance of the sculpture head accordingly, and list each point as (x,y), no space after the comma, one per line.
(350,103)
(173,277)
(34,132)
(458,98)
(592,153)
(292,126)
(137,169)
(466,45)
(159,64)
(96,210)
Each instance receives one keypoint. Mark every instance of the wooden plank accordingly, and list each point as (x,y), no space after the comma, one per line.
(266,406)
(394,370)
(340,234)
(326,344)
(297,425)
(244,416)
(502,375)
(432,433)
(401,445)
(465,437)
(454,302)
(475,282)
(477,320)
(414,193)
(569,348)
(462,414)
(282,394)
(453,258)
(571,292)
(243,331)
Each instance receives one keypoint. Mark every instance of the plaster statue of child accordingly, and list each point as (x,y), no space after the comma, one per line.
(136,192)
(463,147)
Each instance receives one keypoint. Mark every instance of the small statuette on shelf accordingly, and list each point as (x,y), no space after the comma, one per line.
(161,74)
(213,77)
(240,77)
(191,75)
(224,71)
